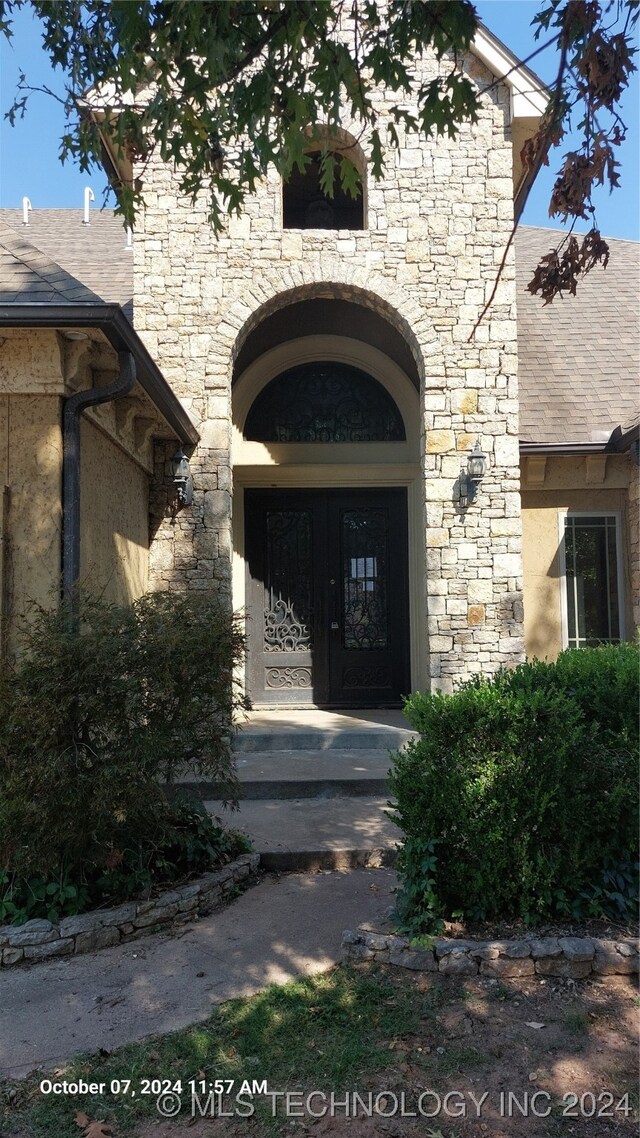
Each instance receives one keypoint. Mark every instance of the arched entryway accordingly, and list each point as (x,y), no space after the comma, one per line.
(328,511)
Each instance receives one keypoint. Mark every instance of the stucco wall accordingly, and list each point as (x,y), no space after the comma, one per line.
(31,470)
(565,488)
(31,362)
(437,225)
(114,493)
(114,519)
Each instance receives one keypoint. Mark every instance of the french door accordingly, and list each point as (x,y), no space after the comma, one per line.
(327,597)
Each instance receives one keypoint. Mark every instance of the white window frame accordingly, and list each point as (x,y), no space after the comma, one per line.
(562,554)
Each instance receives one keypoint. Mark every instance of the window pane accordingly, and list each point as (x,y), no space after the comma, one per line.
(614,600)
(591,580)
(306,206)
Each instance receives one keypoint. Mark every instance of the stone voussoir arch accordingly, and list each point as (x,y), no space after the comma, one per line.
(338,281)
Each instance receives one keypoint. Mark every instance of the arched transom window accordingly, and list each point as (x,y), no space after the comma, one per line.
(324,402)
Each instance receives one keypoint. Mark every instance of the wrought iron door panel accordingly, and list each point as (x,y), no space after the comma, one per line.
(288,584)
(326,596)
(364,574)
(284,540)
(367,659)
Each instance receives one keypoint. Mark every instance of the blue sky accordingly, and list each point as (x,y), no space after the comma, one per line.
(29,162)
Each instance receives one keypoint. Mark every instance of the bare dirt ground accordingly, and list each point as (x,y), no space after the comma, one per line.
(566,1050)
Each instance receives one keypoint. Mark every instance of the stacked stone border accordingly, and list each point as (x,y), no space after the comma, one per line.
(102,928)
(575,957)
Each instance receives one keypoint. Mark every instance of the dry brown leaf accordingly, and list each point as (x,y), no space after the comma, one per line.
(92,1129)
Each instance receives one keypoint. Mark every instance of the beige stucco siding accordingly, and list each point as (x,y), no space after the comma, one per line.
(31,457)
(565,489)
(31,362)
(114,519)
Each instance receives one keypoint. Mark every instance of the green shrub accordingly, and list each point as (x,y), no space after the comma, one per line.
(186,842)
(94,720)
(519,799)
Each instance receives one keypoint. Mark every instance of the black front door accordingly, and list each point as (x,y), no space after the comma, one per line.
(327,599)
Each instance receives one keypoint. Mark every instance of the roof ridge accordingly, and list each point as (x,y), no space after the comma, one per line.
(550,229)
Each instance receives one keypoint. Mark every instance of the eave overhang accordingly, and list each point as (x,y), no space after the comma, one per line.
(529,99)
(617,442)
(529,95)
(112,322)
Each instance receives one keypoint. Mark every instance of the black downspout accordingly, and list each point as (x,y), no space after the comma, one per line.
(73,408)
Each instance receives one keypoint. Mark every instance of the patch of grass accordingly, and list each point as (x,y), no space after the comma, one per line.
(455,1059)
(499,991)
(576,1021)
(330,1031)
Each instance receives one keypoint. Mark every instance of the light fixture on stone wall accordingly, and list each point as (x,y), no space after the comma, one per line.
(472,474)
(182,480)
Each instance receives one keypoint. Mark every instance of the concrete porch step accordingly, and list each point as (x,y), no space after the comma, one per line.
(315,833)
(314,786)
(309,739)
(332,773)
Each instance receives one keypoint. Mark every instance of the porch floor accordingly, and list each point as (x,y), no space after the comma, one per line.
(320,719)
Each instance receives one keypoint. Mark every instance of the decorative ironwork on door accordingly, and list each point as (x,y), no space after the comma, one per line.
(326,596)
(364,577)
(288,614)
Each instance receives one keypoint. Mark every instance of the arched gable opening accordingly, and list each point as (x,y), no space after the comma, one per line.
(305,202)
(305,205)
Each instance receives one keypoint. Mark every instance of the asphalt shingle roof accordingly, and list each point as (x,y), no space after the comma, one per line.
(29,276)
(579,357)
(95,254)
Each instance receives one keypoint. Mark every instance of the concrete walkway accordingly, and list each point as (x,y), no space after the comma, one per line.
(282,928)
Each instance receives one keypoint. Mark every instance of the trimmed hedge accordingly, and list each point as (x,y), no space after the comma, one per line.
(519,800)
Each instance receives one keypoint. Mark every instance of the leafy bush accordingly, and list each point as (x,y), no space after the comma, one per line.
(22,900)
(95,719)
(187,841)
(519,799)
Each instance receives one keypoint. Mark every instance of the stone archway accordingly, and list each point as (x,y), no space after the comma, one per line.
(335,279)
(373,471)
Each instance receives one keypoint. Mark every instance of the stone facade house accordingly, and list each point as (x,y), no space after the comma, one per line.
(315,362)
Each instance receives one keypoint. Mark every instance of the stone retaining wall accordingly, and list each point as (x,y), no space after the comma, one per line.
(38,940)
(575,957)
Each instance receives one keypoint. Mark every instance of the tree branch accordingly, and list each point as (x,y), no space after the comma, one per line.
(535,169)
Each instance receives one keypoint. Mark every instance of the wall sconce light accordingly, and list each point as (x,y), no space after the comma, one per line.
(472,474)
(182,480)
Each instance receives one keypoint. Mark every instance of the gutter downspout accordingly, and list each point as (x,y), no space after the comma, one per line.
(73,408)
